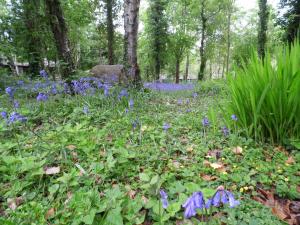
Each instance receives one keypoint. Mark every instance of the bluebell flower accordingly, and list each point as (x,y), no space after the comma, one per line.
(106,91)
(135,123)
(222,197)
(166,126)
(195,95)
(20,82)
(225,131)
(179,101)
(196,201)
(188,110)
(123,93)
(4,115)
(164,199)
(15,117)
(44,74)
(53,89)
(205,122)
(16,104)
(131,103)
(85,110)
(42,97)
(234,117)
(10,91)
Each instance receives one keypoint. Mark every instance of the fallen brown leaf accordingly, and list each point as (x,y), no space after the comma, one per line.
(208,177)
(290,160)
(237,150)
(71,147)
(50,213)
(13,203)
(131,194)
(52,170)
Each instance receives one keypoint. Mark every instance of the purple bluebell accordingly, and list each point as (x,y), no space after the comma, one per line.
(222,197)
(42,97)
(44,74)
(123,93)
(15,117)
(196,201)
(106,91)
(10,91)
(179,101)
(195,95)
(234,117)
(164,199)
(54,89)
(168,86)
(4,115)
(85,110)
(205,122)
(135,123)
(16,104)
(20,82)
(225,131)
(188,110)
(131,103)
(166,127)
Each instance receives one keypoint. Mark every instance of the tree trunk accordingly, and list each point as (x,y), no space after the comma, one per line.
(131,25)
(177,70)
(33,48)
(110,31)
(263,27)
(203,39)
(228,35)
(60,33)
(187,65)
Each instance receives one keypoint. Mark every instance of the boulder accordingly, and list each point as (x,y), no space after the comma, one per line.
(109,73)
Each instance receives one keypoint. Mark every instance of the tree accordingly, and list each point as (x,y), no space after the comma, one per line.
(290,20)
(263,27)
(60,32)
(131,25)
(32,19)
(229,18)
(157,33)
(110,30)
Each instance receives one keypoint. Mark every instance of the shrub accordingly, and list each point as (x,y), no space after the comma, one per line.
(265,95)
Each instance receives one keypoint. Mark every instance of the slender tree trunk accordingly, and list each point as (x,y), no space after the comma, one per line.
(131,25)
(31,20)
(60,33)
(203,40)
(187,65)
(157,66)
(177,74)
(210,69)
(263,27)
(110,31)
(223,67)
(228,35)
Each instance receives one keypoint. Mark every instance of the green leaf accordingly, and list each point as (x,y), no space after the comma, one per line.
(114,217)
(144,177)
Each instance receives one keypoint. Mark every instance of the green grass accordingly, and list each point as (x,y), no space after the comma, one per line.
(265,96)
(110,173)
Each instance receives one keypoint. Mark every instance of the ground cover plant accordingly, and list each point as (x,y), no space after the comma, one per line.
(108,155)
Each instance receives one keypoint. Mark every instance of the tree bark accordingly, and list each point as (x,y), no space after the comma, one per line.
(131,25)
(60,33)
(177,71)
(187,65)
(263,27)
(203,39)
(228,36)
(31,9)
(110,31)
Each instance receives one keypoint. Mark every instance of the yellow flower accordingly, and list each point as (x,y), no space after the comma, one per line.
(246,188)
(286,179)
(241,190)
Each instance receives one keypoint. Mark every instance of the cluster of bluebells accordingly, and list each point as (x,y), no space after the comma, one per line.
(42,97)
(13,117)
(169,86)
(197,201)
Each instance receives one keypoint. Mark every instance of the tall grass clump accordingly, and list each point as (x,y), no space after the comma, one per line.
(265,95)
